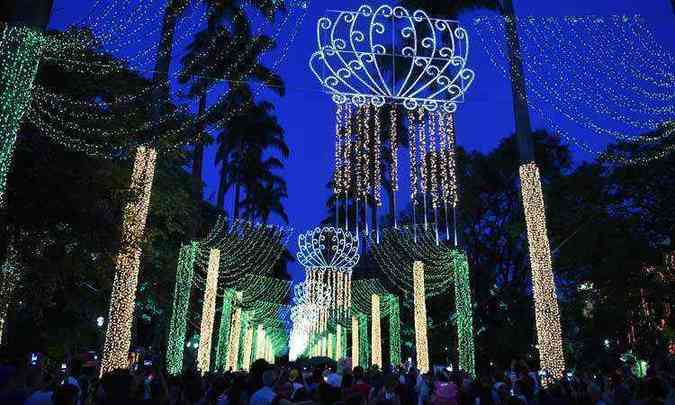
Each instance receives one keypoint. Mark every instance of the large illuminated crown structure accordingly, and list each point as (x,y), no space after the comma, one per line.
(328,248)
(392,55)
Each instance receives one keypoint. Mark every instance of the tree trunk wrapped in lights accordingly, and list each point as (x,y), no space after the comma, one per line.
(224,329)
(547,314)
(394,330)
(375,333)
(464,310)
(20,52)
(118,332)
(208,313)
(181,302)
(233,346)
(421,342)
(355,341)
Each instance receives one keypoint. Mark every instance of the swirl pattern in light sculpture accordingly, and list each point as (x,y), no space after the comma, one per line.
(356,50)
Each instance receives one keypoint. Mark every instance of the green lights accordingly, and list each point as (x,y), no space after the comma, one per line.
(181,301)
(394,329)
(224,330)
(20,52)
(465,343)
(364,347)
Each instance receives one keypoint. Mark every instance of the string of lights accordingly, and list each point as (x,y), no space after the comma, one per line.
(464,310)
(208,313)
(20,52)
(10,275)
(421,341)
(364,348)
(125,282)
(181,301)
(356,360)
(547,315)
(224,330)
(394,329)
(375,333)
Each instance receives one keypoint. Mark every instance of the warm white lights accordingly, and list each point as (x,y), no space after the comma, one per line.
(248,348)
(355,341)
(375,333)
(233,346)
(421,342)
(547,316)
(118,332)
(208,313)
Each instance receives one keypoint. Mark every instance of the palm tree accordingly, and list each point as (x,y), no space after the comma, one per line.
(545,300)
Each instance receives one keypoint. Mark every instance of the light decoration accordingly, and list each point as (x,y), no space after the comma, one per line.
(339,346)
(181,302)
(355,46)
(356,360)
(547,315)
(355,50)
(208,313)
(394,330)
(421,341)
(375,334)
(248,348)
(463,308)
(224,329)
(260,343)
(642,106)
(10,275)
(364,355)
(235,335)
(20,52)
(125,282)
(328,255)
(308,315)
(330,345)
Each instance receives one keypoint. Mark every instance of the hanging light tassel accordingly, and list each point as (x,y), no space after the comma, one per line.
(412,142)
(393,145)
(433,174)
(424,175)
(338,175)
(346,160)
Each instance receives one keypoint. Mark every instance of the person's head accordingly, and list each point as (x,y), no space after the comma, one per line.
(358,373)
(268,378)
(75,367)
(65,395)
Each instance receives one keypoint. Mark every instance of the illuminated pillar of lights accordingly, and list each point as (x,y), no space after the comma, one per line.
(330,346)
(364,356)
(233,346)
(9,277)
(254,342)
(181,302)
(125,282)
(260,343)
(375,333)
(248,347)
(547,316)
(245,321)
(338,342)
(421,342)
(394,330)
(208,313)
(324,348)
(355,341)
(20,52)
(224,329)
(465,343)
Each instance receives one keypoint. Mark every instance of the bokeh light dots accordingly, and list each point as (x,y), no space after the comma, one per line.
(118,332)
(547,315)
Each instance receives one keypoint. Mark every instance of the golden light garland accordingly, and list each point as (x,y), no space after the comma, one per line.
(393,145)
(547,315)
(339,145)
(235,336)
(377,172)
(421,342)
(208,313)
(412,147)
(355,341)
(118,332)
(248,348)
(375,333)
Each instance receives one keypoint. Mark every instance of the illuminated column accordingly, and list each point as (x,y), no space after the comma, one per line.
(364,356)
(260,343)
(324,351)
(355,341)
(394,330)
(208,313)
(245,320)
(125,282)
(20,52)
(421,343)
(248,343)
(224,329)
(465,344)
(181,302)
(338,342)
(233,346)
(329,351)
(375,333)
(549,336)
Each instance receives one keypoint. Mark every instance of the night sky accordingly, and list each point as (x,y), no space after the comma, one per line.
(308,117)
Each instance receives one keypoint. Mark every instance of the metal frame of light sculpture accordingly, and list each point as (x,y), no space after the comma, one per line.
(355,46)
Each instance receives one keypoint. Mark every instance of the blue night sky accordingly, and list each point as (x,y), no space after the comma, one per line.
(308,117)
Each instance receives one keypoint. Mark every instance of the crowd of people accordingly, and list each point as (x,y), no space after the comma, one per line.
(329,384)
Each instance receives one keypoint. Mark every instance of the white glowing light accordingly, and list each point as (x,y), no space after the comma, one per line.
(421,341)
(208,312)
